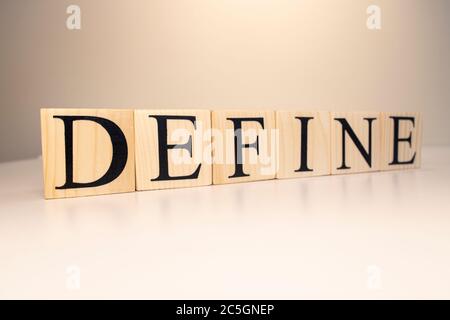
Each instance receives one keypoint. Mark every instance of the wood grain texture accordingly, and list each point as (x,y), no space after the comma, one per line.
(354,160)
(290,147)
(260,166)
(406,151)
(92,152)
(180,162)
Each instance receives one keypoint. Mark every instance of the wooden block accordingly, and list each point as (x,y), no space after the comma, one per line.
(355,142)
(173,148)
(305,144)
(401,140)
(244,145)
(87,152)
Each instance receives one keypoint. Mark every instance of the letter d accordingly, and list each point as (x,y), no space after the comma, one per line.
(119,151)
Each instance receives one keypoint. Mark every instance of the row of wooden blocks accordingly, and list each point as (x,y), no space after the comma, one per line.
(101,151)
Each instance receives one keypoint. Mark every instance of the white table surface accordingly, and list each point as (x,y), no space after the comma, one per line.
(377,235)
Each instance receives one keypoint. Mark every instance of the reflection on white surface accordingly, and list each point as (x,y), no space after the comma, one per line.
(377,235)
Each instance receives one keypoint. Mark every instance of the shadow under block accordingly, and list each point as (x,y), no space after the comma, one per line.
(173,148)
(87,152)
(304,148)
(355,142)
(244,146)
(401,140)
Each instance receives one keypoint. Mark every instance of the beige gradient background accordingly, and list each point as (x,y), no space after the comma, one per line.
(314,54)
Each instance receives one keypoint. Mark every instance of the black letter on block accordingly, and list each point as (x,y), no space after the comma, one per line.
(238,145)
(164,147)
(304,147)
(397,140)
(119,151)
(347,129)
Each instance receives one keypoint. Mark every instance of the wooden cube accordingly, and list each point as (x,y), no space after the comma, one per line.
(244,145)
(355,142)
(401,140)
(304,148)
(87,152)
(173,148)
